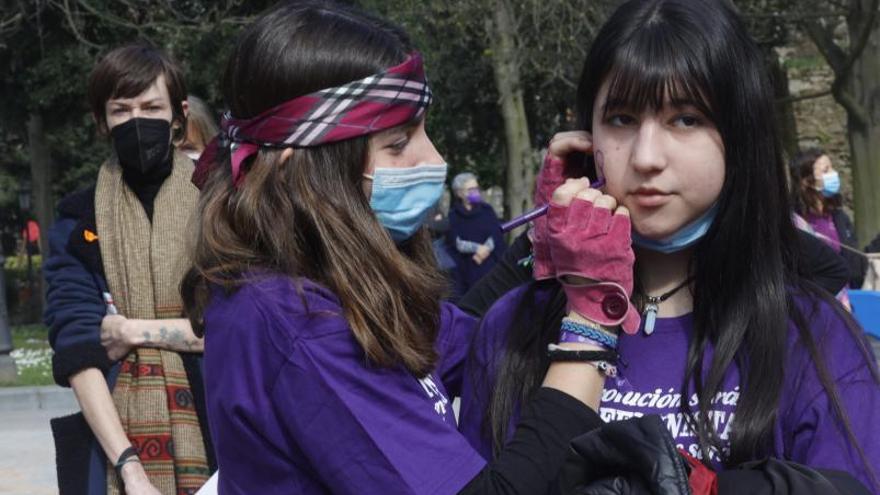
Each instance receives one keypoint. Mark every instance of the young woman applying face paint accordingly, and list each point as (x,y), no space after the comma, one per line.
(738,353)
(330,360)
(113,306)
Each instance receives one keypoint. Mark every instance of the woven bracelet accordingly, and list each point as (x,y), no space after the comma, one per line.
(605,339)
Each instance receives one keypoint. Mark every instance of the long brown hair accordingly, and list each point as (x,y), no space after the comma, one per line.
(808,199)
(308,216)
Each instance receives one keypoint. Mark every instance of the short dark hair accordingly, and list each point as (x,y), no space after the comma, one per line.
(128,71)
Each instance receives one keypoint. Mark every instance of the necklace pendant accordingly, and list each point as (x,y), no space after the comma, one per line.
(650,317)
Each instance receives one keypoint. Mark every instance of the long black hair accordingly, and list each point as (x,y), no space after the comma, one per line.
(745,270)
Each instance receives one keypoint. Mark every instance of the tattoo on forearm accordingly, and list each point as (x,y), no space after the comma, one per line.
(173,337)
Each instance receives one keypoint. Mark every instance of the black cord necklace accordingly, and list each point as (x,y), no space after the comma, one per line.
(653,306)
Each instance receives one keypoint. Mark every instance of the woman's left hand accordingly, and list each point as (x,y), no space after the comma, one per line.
(114,336)
(590,247)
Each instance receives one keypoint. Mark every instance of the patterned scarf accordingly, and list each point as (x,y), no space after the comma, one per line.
(381,101)
(144,263)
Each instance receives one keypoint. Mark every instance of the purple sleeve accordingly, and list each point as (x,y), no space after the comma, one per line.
(813,434)
(365,426)
(453,345)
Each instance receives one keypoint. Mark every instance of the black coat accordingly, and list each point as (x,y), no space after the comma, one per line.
(857,265)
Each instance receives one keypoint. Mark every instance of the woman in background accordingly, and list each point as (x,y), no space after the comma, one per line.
(817,199)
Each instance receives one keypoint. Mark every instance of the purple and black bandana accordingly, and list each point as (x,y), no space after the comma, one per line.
(381,101)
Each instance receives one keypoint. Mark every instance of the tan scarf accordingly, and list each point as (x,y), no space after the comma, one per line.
(144,264)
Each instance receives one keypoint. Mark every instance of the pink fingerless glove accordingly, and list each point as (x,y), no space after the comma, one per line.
(591,243)
(550,177)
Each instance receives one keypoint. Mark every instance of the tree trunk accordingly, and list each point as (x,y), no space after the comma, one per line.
(785,119)
(41,177)
(862,101)
(520,174)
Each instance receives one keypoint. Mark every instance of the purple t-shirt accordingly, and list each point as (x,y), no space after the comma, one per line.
(294,407)
(805,431)
(824,224)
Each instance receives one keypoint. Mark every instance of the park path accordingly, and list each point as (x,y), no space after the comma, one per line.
(27,452)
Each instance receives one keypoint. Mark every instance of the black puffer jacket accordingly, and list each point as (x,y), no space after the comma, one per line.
(638,456)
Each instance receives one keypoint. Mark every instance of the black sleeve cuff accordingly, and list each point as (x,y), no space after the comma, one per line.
(504,276)
(77,358)
(556,405)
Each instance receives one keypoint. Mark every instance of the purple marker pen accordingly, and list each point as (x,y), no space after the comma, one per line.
(538,212)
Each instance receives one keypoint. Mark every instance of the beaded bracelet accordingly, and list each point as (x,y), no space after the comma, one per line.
(604,339)
(606,368)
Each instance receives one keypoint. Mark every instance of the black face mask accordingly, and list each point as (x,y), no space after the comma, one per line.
(142,144)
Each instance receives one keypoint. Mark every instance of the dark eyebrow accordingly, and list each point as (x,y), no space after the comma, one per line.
(614,104)
(405,129)
(679,103)
(620,104)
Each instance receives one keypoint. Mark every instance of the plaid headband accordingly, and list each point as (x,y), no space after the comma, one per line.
(388,99)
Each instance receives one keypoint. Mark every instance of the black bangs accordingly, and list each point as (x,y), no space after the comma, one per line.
(653,69)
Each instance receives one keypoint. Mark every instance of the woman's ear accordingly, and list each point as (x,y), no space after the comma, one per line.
(100,126)
(807,182)
(178,127)
(285,155)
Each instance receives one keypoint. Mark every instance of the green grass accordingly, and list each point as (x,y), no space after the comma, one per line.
(808,62)
(32,355)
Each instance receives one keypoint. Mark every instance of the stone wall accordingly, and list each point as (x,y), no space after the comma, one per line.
(821,122)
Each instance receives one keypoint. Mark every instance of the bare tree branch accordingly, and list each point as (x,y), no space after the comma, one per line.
(841,61)
(823,37)
(68,15)
(805,96)
(794,17)
(112,19)
(857,46)
(10,24)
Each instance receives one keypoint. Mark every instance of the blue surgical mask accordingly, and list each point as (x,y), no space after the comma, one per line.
(830,184)
(686,237)
(401,197)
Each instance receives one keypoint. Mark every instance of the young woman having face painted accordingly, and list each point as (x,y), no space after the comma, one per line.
(748,364)
(331,361)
